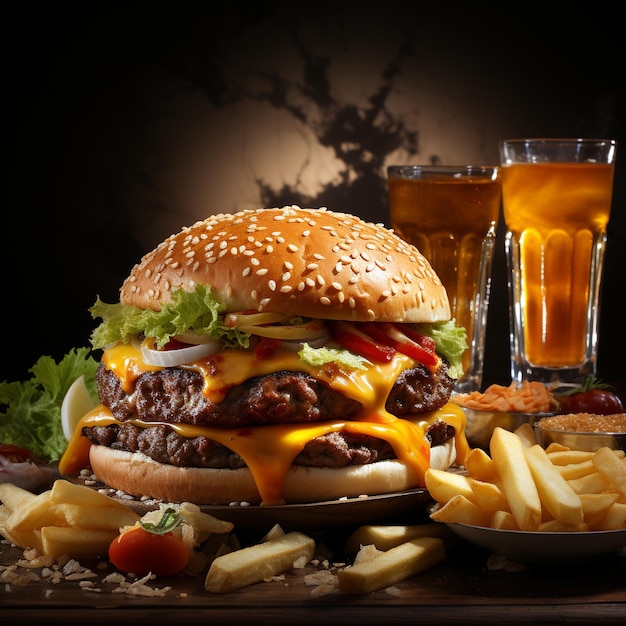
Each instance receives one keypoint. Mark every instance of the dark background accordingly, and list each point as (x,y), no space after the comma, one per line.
(74,80)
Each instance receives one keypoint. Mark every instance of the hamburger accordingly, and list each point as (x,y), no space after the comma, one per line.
(274,356)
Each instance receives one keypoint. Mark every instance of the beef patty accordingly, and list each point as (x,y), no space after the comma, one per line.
(175,396)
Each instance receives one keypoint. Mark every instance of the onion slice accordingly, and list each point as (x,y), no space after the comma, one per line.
(173,358)
(304,332)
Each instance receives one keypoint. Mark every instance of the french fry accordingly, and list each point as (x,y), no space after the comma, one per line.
(569,456)
(576,470)
(460,510)
(76,542)
(203,522)
(615,517)
(34,513)
(95,517)
(393,566)
(508,455)
(612,468)
(443,485)
(480,465)
(258,562)
(503,520)
(386,537)
(595,507)
(590,483)
(527,434)
(556,494)
(14,497)
(488,496)
(63,491)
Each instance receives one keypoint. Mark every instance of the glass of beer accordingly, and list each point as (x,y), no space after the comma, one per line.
(450,213)
(556,196)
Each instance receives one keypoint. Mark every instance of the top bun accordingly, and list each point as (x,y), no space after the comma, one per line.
(308,262)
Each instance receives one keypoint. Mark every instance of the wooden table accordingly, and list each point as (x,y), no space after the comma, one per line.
(462,590)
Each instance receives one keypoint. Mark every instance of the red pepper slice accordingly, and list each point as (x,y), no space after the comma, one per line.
(380,332)
(356,342)
(426,342)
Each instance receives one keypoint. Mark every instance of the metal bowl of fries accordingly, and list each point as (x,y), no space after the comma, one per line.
(480,424)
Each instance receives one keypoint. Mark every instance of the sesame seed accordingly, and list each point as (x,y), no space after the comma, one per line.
(246,272)
(320,280)
(285,289)
(337,286)
(261,272)
(325,300)
(272,285)
(292,248)
(287,265)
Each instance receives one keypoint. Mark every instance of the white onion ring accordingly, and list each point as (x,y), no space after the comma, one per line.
(172,358)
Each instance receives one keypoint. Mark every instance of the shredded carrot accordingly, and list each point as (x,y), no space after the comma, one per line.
(527,397)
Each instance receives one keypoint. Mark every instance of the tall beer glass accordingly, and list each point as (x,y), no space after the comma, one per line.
(451,213)
(556,197)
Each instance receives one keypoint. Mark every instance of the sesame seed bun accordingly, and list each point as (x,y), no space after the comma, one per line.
(310,262)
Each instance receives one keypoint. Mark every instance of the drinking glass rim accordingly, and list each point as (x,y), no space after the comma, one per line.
(564,140)
(412,171)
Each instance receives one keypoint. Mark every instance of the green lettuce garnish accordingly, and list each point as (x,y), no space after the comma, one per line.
(317,357)
(30,411)
(196,310)
(450,342)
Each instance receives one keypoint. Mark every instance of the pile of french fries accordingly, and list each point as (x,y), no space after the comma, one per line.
(521,486)
(77,521)
(68,519)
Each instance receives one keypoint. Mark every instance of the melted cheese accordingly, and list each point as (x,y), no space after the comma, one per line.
(269,451)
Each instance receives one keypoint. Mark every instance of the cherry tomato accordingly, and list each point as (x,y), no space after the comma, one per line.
(593,396)
(596,401)
(149,548)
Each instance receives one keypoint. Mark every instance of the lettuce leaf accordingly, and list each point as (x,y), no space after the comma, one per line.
(30,411)
(450,342)
(196,310)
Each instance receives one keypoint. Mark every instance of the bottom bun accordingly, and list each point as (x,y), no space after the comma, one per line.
(138,475)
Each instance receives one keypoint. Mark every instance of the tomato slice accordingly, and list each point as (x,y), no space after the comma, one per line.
(359,344)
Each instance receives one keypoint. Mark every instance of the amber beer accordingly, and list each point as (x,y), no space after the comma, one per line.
(557,202)
(451,214)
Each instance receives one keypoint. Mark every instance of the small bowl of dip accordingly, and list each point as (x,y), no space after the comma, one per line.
(583,431)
